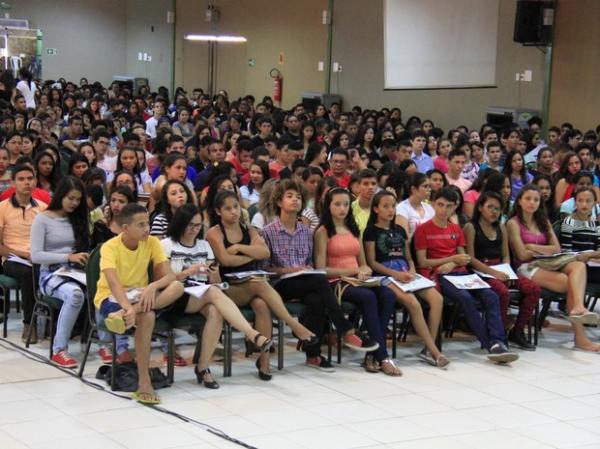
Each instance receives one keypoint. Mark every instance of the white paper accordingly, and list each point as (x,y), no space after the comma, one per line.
(593,263)
(566,253)
(302,273)
(133,295)
(418,283)
(503,267)
(66,272)
(199,289)
(467,282)
(17,259)
(247,274)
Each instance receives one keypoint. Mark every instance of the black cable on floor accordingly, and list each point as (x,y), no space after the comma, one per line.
(44,360)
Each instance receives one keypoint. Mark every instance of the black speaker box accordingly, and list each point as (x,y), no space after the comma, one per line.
(533,22)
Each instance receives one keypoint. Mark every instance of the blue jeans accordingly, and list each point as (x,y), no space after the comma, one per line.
(377,306)
(491,330)
(72,296)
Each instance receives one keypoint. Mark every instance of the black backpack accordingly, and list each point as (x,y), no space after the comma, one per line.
(126,378)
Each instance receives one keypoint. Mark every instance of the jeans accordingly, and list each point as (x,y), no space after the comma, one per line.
(489,332)
(72,296)
(316,294)
(377,306)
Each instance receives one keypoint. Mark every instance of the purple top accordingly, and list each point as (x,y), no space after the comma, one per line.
(288,250)
(529,237)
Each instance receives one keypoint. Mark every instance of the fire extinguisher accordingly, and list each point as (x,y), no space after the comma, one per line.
(277,85)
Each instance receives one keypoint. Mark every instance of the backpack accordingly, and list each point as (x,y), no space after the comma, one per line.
(126,377)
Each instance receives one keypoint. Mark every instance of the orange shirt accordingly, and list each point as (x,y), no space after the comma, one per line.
(15,222)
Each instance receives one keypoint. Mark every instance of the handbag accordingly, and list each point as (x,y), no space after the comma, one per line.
(554,263)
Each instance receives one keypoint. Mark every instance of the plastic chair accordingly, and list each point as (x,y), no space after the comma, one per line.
(6,285)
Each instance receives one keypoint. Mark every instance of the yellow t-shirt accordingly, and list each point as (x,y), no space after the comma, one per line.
(361,216)
(131,266)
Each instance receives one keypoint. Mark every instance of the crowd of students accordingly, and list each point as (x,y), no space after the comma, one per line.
(203,187)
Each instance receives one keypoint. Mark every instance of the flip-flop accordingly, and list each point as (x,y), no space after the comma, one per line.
(584,318)
(146,398)
(115,324)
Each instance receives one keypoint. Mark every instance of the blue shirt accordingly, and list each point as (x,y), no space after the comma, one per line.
(424,162)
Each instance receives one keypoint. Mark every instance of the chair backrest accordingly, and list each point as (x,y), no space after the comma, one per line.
(92,275)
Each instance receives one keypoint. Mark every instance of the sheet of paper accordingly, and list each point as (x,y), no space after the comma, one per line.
(66,272)
(17,259)
(504,268)
(419,283)
(247,274)
(302,273)
(468,282)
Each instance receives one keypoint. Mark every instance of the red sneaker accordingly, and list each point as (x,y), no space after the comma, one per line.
(177,360)
(105,355)
(64,360)
(125,357)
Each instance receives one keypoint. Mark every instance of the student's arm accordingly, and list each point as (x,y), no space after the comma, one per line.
(6,250)
(257,249)
(514,235)
(559,193)
(214,236)
(382,269)
(476,264)
(468,208)
(402,221)
(321,257)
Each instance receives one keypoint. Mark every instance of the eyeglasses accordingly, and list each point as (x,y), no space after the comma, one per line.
(493,208)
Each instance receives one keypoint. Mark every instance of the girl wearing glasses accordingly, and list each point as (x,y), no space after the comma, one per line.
(415,210)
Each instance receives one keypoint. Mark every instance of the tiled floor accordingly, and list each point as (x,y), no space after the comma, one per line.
(548,399)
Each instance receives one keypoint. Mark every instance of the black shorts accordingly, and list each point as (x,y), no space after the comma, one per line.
(174,310)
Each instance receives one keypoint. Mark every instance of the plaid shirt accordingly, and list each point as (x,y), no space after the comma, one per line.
(288,250)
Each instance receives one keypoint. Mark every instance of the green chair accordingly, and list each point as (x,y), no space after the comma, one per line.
(6,285)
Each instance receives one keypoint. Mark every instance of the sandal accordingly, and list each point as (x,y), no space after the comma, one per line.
(442,362)
(146,398)
(427,358)
(584,318)
(266,345)
(370,364)
(389,367)
(115,323)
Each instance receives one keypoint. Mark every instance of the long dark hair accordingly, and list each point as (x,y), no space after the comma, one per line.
(218,204)
(549,204)
(181,219)
(508,165)
(324,183)
(540,217)
(375,203)
(165,208)
(484,198)
(264,168)
(54,174)
(563,171)
(79,217)
(327,219)
(121,190)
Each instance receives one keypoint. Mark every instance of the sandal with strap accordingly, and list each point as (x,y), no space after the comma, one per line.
(389,367)
(266,345)
(146,397)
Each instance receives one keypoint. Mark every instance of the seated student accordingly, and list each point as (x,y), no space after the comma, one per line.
(173,168)
(388,253)
(564,179)
(174,195)
(514,168)
(339,251)
(60,237)
(259,173)
(531,234)
(437,180)
(544,183)
(127,160)
(441,161)
(440,247)
(339,163)
(582,180)
(239,248)
(493,156)
(415,210)
(124,267)
(487,244)
(291,250)
(284,158)
(456,163)
(580,231)
(17,214)
(192,259)
(361,207)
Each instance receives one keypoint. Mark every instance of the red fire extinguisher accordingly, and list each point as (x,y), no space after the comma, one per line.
(277,85)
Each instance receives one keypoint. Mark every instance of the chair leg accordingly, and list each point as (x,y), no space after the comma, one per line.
(329,348)
(6,310)
(17,300)
(170,356)
(113,363)
(394,332)
(33,322)
(280,343)
(339,348)
(227,344)
(544,313)
(536,328)
(88,345)
(198,347)
(52,330)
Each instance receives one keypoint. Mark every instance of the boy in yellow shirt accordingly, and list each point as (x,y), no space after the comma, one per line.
(125,297)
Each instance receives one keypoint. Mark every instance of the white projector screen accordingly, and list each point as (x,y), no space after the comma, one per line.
(433,44)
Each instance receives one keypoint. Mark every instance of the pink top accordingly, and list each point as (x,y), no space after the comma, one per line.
(471,196)
(529,237)
(342,251)
(440,164)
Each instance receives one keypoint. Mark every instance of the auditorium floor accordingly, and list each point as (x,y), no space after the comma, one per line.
(548,399)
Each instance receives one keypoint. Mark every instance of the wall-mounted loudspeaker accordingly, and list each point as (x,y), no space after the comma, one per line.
(533,22)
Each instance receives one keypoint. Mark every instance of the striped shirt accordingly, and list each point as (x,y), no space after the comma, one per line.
(579,235)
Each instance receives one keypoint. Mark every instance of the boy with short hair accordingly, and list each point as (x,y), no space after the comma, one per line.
(494,157)
(284,158)
(456,164)
(124,269)
(418,141)
(440,247)
(361,206)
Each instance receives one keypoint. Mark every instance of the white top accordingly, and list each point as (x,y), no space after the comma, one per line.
(250,197)
(183,257)
(405,209)
(28,93)
(151,124)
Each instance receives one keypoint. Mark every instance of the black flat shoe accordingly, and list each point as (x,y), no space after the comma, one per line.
(312,341)
(213,385)
(262,375)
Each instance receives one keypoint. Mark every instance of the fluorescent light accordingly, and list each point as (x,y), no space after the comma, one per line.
(209,37)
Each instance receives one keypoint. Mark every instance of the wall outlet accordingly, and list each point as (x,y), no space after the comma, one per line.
(527,76)
(140,57)
(325,17)
(321,66)
(336,67)
(170,17)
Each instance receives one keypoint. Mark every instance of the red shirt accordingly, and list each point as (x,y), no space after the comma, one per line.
(342,181)
(37,194)
(274,169)
(439,242)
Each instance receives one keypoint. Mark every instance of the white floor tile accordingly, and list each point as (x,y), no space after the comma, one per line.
(331,437)
(407,404)
(159,437)
(29,410)
(500,439)
(95,441)
(116,420)
(431,443)
(50,429)
(560,435)
(452,423)
(349,412)
(462,398)
(510,416)
(391,430)
(564,409)
(8,441)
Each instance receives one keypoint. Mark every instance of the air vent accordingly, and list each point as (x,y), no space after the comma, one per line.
(14,23)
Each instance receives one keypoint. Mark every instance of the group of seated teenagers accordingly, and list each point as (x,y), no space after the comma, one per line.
(202,187)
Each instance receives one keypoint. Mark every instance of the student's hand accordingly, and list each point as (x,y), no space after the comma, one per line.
(500,275)
(213,273)
(129,317)
(584,257)
(364,272)
(446,268)
(78,258)
(148,298)
(461,259)
(234,249)
(404,276)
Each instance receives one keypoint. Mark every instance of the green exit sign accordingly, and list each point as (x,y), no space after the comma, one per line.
(51,51)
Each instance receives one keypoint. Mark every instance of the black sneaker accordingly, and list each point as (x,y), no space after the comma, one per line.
(323,365)
(499,354)
(518,339)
